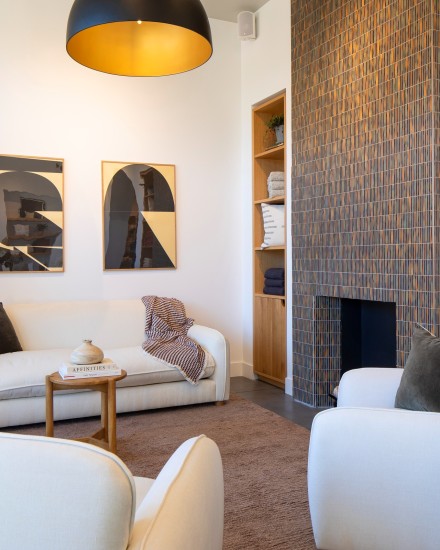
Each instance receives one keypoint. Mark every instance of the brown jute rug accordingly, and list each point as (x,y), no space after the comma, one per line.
(264,459)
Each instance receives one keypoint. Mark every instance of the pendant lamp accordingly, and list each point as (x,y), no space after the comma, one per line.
(139,37)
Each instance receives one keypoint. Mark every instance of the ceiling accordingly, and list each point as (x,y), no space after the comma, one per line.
(227,10)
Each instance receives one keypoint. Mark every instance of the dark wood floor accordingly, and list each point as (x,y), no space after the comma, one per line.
(274,399)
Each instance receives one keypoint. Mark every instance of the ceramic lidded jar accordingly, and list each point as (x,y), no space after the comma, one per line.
(279,131)
(86,354)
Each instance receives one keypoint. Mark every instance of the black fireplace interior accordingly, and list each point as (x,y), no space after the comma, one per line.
(368,331)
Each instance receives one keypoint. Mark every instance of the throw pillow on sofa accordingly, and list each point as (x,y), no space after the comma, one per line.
(419,388)
(8,339)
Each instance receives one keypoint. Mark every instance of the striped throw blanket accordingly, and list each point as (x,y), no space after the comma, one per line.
(166,327)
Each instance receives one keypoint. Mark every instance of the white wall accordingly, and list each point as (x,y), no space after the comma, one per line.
(265,70)
(53,107)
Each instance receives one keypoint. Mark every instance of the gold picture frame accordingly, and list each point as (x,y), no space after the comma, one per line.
(139,216)
(31,214)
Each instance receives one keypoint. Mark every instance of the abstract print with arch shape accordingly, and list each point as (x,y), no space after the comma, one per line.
(31,214)
(139,216)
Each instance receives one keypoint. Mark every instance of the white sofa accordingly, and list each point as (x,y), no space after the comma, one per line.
(373,474)
(74,496)
(48,332)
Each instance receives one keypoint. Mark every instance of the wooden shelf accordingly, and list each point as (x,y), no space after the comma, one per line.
(280,199)
(270,296)
(269,248)
(269,340)
(272,153)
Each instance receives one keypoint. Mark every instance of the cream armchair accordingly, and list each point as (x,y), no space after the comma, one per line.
(373,474)
(59,494)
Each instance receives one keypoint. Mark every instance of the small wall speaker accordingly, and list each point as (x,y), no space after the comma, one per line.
(246,25)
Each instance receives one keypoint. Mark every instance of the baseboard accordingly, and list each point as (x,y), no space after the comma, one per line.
(288,386)
(245,369)
(242,369)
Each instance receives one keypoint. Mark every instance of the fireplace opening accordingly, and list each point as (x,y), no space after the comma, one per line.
(368,334)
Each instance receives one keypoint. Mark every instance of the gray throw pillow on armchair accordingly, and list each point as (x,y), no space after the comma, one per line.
(419,388)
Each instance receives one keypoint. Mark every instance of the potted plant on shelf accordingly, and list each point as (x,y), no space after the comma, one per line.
(276,123)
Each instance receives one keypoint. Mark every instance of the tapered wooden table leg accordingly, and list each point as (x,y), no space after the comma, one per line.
(49,407)
(111,402)
(104,412)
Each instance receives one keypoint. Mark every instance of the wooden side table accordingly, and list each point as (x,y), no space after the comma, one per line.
(106,436)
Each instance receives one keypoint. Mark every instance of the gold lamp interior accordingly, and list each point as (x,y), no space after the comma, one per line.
(140,48)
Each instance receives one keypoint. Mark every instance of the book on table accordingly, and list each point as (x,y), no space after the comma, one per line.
(106,368)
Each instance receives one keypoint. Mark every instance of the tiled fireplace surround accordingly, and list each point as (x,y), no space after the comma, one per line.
(365,173)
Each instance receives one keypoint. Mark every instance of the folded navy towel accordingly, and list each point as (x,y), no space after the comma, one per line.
(273,290)
(275,283)
(274,273)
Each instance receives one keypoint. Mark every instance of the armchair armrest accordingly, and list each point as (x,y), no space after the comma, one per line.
(369,387)
(373,479)
(183,509)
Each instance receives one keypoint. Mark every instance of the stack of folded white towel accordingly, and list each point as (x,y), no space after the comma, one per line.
(275,184)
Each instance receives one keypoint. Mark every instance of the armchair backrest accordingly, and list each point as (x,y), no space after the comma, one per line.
(60,493)
(369,387)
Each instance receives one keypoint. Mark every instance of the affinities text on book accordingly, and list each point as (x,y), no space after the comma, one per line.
(98,367)
(105,368)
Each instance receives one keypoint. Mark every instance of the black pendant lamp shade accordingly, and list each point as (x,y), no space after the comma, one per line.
(139,37)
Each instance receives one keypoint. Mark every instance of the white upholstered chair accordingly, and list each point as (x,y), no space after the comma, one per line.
(373,475)
(60,494)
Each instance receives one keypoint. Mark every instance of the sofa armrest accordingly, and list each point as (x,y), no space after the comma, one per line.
(369,387)
(214,341)
(373,479)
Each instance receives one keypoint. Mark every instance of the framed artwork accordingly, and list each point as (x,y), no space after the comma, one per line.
(31,214)
(139,215)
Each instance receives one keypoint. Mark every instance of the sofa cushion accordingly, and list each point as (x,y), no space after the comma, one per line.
(419,389)
(143,368)
(8,338)
(23,373)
